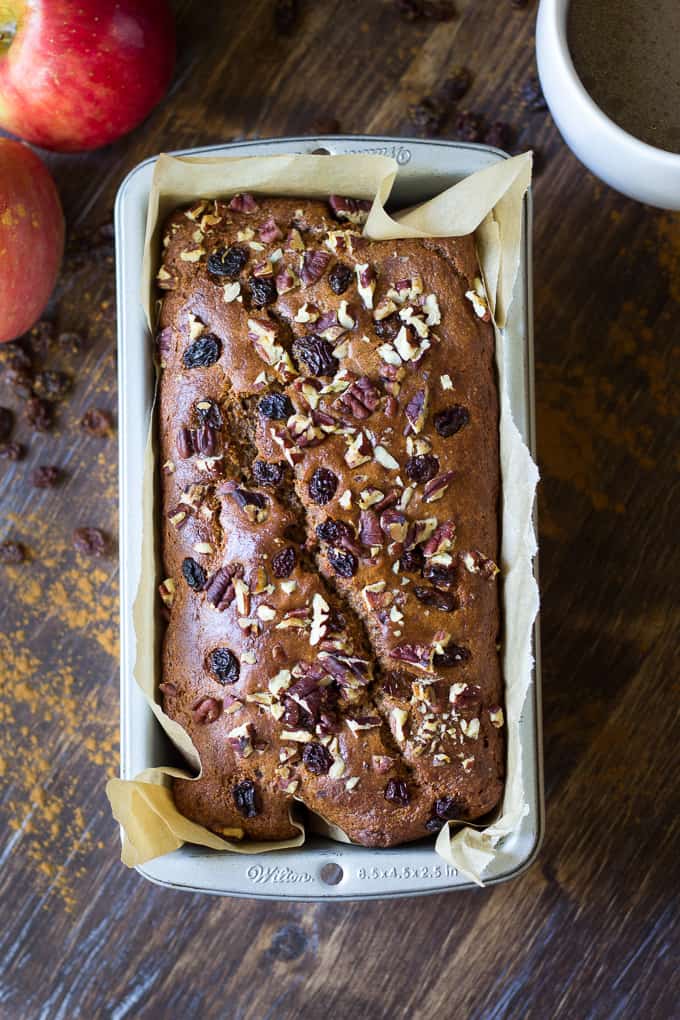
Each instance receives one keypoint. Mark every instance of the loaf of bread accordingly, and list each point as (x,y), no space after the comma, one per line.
(330,486)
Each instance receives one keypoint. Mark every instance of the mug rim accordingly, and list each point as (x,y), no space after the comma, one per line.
(558,10)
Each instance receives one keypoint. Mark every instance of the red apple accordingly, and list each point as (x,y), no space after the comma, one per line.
(77,74)
(31,237)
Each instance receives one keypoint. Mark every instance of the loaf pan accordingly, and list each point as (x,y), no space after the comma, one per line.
(321,869)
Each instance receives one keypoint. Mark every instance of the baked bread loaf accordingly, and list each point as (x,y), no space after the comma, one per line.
(330,486)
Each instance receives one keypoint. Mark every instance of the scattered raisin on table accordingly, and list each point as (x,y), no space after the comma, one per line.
(6,423)
(469,126)
(11,451)
(39,414)
(427,116)
(427,10)
(96,422)
(46,476)
(90,541)
(455,86)
(12,552)
(532,95)
(51,385)
(500,135)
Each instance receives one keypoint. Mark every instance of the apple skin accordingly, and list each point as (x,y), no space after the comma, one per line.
(31,237)
(77,74)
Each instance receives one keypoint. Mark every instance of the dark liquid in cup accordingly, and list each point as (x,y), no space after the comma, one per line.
(627,54)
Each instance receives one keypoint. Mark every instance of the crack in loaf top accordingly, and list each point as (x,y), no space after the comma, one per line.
(329,429)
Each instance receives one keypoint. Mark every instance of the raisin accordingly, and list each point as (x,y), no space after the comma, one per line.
(275,407)
(96,422)
(208,413)
(14,356)
(433,10)
(224,665)
(469,126)
(451,420)
(500,135)
(285,16)
(228,261)
(532,95)
(262,290)
(39,414)
(437,599)
(397,683)
(41,336)
(449,808)
(46,476)
(245,799)
(90,541)
(334,531)
(243,497)
(345,564)
(11,451)
(194,574)
(315,354)
(317,758)
(283,564)
(422,468)
(322,486)
(12,552)
(70,343)
(427,116)
(19,381)
(51,385)
(396,791)
(434,825)
(340,278)
(412,560)
(387,328)
(441,577)
(452,655)
(6,423)
(268,474)
(455,86)
(202,352)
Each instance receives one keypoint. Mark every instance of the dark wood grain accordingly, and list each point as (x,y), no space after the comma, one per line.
(591,929)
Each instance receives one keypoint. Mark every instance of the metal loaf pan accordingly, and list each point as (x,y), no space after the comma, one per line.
(322,869)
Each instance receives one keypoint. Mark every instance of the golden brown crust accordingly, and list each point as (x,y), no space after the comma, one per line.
(379,706)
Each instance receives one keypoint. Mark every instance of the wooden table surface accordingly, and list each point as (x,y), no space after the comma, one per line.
(590,930)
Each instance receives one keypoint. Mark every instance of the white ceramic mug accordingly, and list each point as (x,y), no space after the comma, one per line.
(635,168)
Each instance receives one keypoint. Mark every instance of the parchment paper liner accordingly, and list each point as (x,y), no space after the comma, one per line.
(488,203)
